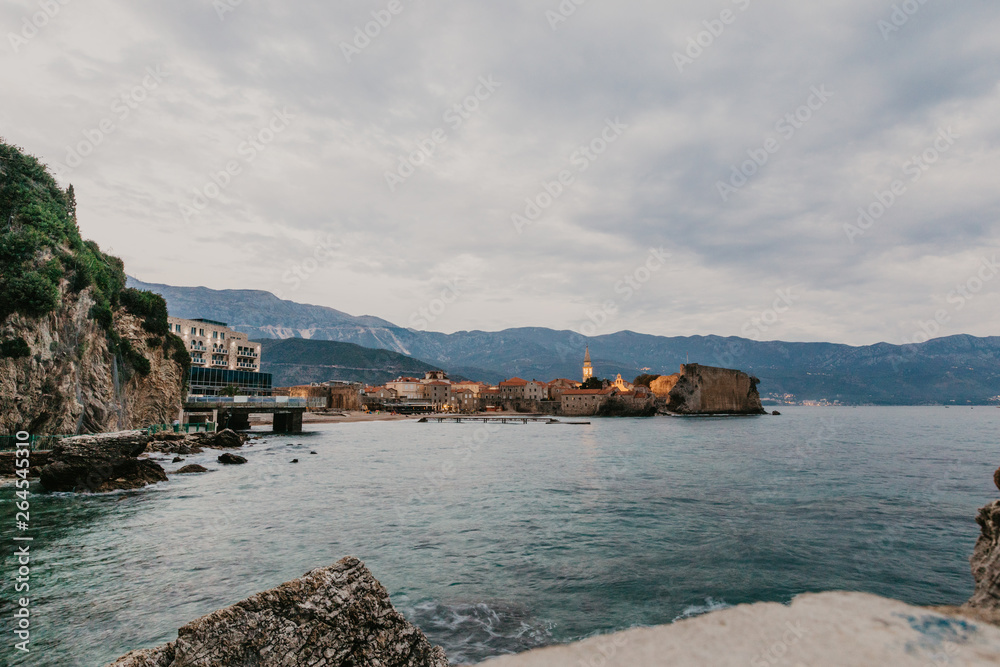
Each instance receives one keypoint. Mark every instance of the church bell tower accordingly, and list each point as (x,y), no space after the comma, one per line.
(588,368)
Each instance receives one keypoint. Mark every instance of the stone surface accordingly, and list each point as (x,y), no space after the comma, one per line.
(173,447)
(8,463)
(232,459)
(195,443)
(228,439)
(701,390)
(68,384)
(339,615)
(224,439)
(996,478)
(100,463)
(829,629)
(985,559)
(190,470)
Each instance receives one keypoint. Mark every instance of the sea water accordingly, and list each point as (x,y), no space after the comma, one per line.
(497,539)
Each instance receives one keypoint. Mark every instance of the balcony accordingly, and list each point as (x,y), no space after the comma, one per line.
(246,353)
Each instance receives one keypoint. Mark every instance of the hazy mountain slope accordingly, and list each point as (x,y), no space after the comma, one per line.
(297,361)
(263,315)
(960,369)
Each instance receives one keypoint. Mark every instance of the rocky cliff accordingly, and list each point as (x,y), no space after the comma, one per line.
(79,353)
(339,615)
(698,390)
(71,381)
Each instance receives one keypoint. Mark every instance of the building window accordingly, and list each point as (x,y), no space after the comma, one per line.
(194,331)
(201,332)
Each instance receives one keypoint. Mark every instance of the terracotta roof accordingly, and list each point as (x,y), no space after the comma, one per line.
(514,382)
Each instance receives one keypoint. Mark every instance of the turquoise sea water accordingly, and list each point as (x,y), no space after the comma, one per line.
(499,539)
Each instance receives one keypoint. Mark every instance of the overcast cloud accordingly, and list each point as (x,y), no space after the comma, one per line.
(310,215)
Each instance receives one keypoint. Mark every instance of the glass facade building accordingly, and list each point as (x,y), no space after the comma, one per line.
(211,382)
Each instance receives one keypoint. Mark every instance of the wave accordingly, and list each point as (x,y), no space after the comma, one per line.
(711,604)
(471,633)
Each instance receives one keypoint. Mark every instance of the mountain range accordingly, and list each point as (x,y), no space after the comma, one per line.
(954,370)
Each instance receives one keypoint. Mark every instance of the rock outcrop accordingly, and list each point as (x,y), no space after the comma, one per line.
(100,463)
(71,382)
(232,459)
(192,469)
(985,560)
(195,443)
(8,463)
(707,390)
(339,615)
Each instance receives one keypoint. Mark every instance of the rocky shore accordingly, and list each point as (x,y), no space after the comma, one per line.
(115,462)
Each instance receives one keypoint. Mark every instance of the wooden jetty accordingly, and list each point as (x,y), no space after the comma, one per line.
(461,419)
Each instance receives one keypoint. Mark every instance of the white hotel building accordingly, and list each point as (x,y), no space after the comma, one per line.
(214,345)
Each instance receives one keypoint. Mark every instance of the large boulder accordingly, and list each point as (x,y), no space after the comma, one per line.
(339,615)
(985,560)
(232,459)
(100,463)
(228,439)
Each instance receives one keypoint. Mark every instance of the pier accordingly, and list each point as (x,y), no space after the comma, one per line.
(234,412)
(460,419)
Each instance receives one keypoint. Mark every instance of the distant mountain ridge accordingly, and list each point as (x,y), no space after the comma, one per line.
(294,361)
(955,370)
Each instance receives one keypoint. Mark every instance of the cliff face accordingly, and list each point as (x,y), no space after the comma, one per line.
(71,382)
(78,351)
(709,390)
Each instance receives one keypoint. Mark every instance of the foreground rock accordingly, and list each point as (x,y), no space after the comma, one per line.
(232,459)
(339,615)
(985,560)
(100,463)
(815,629)
(193,469)
(707,390)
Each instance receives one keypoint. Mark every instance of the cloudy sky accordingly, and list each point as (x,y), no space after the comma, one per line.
(713,155)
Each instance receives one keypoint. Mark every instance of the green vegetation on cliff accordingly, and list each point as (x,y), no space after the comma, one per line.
(43,258)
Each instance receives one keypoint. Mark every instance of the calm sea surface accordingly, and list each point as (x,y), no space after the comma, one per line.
(499,539)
